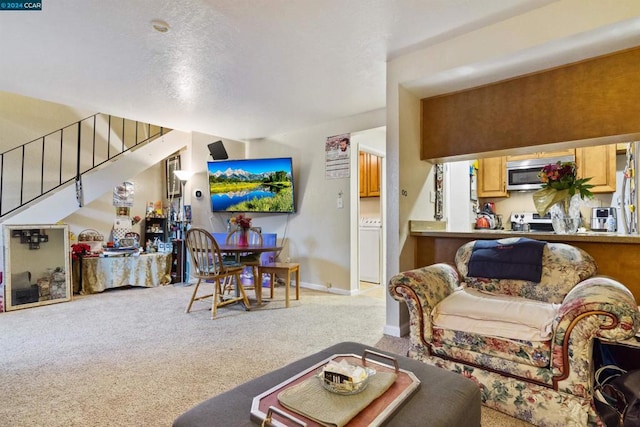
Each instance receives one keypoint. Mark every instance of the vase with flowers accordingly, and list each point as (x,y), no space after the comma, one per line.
(560,195)
(244,224)
(78,251)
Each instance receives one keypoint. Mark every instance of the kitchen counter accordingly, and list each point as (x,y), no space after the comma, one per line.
(616,254)
(588,236)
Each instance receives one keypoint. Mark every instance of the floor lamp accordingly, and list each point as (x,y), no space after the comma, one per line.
(183,176)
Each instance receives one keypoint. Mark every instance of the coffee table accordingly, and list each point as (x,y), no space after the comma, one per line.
(443,398)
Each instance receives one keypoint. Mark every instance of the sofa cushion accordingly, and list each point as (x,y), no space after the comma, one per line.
(563,267)
(487,314)
(530,353)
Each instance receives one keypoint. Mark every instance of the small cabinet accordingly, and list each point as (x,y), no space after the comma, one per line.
(542,155)
(155,228)
(370,172)
(492,179)
(598,162)
(177,261)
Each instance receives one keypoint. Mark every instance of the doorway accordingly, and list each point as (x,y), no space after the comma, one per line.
(368,219)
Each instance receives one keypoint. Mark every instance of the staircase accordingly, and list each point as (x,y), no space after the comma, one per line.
(38,180)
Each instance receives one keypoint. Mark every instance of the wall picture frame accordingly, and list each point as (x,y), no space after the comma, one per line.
(174,186)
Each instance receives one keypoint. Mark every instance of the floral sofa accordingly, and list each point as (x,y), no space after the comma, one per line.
(544,375)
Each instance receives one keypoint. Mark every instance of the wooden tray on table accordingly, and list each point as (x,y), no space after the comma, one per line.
(265,407)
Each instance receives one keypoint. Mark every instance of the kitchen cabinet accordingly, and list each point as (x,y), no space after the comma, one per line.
(492,179)
(598,162)
(542,155)
(370,172)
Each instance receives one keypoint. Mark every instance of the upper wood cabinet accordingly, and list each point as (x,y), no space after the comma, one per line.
(542,155)
(598,162)
(370,171)
(492,177)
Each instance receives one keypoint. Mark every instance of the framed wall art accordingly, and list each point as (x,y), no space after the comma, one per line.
(174,189)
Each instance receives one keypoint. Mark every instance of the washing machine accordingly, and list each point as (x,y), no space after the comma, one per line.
(370,250)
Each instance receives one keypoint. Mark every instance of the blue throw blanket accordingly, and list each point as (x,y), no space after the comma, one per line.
(519,259)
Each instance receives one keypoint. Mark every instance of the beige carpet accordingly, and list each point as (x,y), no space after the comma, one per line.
(132,357)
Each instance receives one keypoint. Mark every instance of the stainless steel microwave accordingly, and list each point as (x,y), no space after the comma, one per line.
(523,174)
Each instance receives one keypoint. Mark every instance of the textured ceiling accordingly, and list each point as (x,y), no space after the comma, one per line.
(233,68)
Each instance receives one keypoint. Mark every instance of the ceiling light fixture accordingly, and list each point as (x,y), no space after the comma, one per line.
(160,26)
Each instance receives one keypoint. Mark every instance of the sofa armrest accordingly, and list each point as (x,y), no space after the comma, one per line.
(421,289)
(597,307)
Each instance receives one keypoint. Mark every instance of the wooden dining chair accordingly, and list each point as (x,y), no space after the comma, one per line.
(247,259)
(207,264)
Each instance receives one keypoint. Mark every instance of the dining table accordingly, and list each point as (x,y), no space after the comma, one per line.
(238,251)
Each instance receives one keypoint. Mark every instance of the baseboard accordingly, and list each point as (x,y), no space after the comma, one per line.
(321,288)
(396,331)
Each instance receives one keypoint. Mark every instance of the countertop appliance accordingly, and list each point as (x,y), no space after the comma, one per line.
(523,174)
(488,219)
(600,216)
(531,221)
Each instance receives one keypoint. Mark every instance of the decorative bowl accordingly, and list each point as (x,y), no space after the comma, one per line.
(341,384)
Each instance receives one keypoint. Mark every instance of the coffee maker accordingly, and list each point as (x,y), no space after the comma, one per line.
(600,216)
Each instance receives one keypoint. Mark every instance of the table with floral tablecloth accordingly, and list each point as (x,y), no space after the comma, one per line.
(146,270)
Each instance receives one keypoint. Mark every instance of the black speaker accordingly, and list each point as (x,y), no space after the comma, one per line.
(217,151)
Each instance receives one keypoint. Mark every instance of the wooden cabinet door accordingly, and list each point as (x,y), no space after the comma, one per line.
(560,153)
(492,177)
(370,171)
(542,155)
(373,186)
(522,157)
(362,166)
(598,162)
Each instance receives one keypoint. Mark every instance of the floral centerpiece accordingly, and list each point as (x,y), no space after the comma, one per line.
(244,224)
(241,221)
(560,193)
(78,250)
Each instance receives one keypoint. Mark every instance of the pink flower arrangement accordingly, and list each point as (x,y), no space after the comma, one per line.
(241,221)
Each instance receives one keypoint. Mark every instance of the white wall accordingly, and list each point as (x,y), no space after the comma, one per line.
(100,214)
(23,119)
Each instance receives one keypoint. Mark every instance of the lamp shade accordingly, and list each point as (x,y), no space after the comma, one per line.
(183,175)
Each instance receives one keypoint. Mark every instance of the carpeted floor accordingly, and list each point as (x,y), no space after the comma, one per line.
(133,357)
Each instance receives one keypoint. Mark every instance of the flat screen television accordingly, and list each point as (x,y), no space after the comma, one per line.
(251,185)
